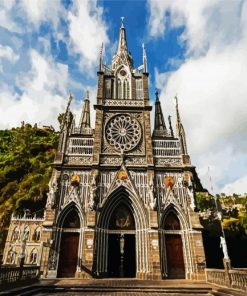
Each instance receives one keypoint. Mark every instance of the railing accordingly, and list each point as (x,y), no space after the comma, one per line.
(16,274)
(232,278)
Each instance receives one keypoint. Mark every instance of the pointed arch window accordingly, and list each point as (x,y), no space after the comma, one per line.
(11,255)
(139,89)
(172,222)
(33,257)
(15,234)
(26,233)
(37,234)
(127,90)
(108,88)
(119,89)
(124,89)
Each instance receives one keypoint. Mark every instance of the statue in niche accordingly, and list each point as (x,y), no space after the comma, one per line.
(191,195)
(151,198)
(51,196)
(92,192)
(192,199)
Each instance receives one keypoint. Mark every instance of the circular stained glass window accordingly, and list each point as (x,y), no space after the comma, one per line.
(123,132)
(123,73)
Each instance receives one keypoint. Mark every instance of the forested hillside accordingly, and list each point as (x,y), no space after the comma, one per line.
(26,155)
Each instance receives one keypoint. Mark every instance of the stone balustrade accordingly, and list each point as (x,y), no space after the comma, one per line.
(232,278)
(10,275)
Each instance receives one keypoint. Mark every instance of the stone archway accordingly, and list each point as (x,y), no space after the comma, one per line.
(135,238)
(121,243)
(69,245)
(172,254)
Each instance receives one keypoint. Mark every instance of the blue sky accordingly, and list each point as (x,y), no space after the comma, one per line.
(196,49)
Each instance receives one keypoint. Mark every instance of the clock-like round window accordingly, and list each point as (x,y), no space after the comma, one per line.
(123,72)
(123,132)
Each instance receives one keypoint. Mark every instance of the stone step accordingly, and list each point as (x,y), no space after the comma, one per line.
(113,287)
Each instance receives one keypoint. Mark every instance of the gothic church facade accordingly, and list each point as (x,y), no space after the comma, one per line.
(122,197)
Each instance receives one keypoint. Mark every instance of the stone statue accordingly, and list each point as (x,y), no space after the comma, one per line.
(151,198)
(93,188)
(224,247)
(192,199)
(51,194)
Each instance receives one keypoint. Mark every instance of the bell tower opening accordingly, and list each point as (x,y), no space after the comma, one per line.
(121,243)
(68,255)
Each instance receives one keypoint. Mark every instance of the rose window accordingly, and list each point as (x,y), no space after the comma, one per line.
(123,132)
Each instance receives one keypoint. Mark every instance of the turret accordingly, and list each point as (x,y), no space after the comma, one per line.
(180,130)
(85,115)
(144,59)
(159,123)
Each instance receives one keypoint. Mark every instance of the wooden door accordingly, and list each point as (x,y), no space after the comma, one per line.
(68,254)
(174,256)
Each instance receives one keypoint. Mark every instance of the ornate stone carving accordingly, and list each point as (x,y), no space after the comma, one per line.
(136,103)
(114,160)
(81,160)
(123,132)
(52,262)
(168,161)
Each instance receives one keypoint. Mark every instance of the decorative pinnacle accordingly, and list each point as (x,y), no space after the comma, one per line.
(87,94)
(157,94)
(122,18)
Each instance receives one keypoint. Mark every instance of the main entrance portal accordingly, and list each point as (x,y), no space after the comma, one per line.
(121,244)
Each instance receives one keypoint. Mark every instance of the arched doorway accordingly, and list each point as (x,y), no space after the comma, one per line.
(68,254)
(174,259)
(121,243)
(136,232)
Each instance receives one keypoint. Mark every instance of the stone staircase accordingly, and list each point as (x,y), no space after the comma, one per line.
(118,287)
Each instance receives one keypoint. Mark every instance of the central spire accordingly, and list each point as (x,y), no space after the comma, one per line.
(122,55)
(122,42)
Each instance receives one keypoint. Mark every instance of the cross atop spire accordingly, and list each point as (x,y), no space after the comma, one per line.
(157,95)
(122,18)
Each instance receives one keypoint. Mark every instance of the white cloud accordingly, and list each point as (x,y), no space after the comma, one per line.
(205,22)
(18,15)
(87,31)
(239,185)
(210,83)
(38,11)
(7,53)
(43,94)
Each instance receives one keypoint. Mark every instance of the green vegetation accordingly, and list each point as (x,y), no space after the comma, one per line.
(233,209)
(26,155)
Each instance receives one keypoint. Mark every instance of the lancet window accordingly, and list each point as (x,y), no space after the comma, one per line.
(26,233)
(15,234)
(33,257)
(37,234)
(11,256)
(139,89)
(108,89)
(123,84)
